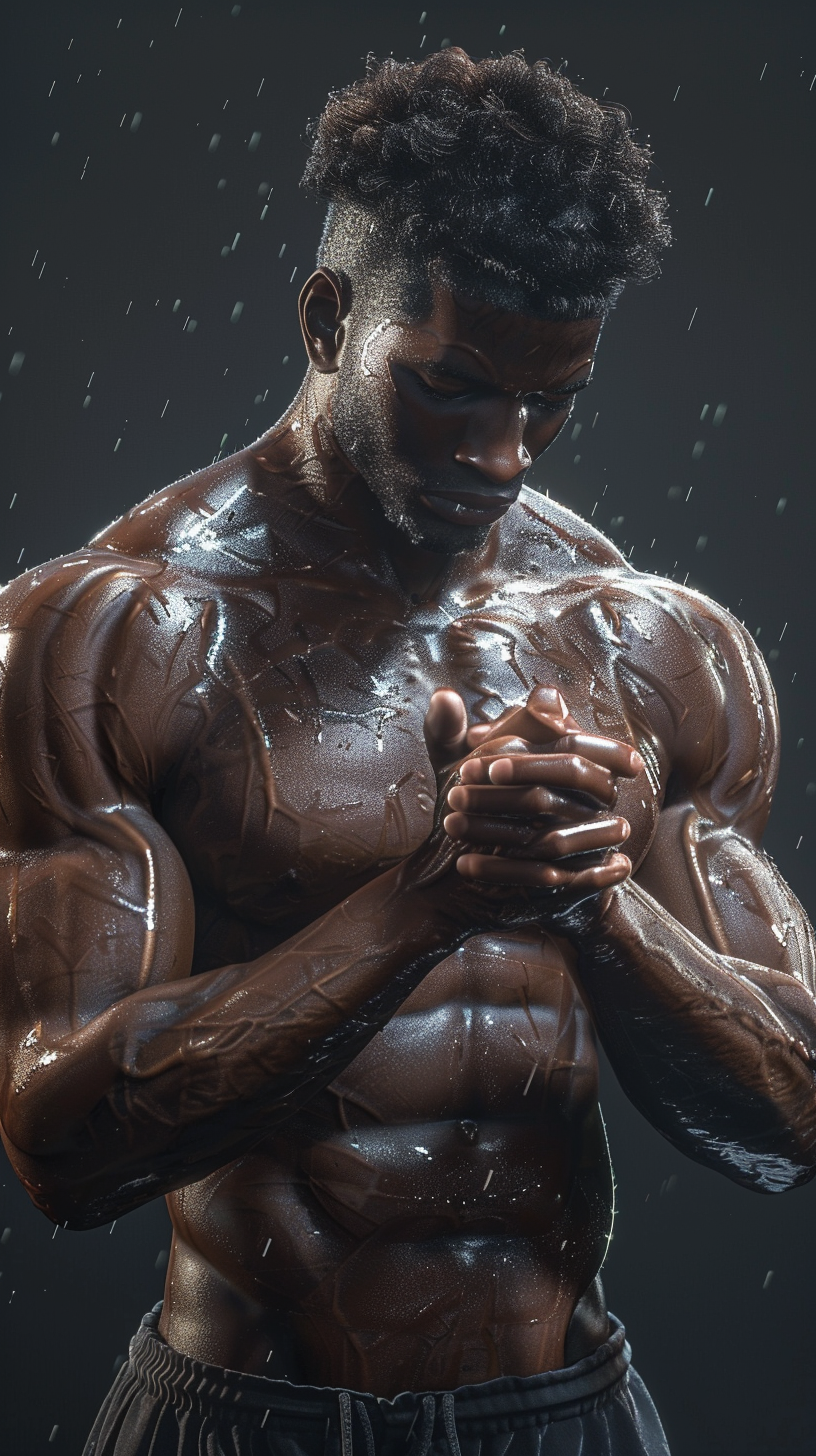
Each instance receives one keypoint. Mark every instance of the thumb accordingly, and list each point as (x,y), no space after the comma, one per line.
(445,728)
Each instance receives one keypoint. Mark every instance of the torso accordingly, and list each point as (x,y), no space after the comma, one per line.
(436,1215)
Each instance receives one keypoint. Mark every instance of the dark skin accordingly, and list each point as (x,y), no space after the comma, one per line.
(342,812)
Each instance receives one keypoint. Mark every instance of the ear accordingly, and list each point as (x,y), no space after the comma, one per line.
(324,303)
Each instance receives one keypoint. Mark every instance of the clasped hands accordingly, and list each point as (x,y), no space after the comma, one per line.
(532,802)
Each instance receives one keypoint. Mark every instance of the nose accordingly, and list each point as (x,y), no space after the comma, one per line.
(494,443)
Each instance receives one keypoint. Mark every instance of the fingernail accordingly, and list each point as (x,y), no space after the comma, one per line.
(493,766)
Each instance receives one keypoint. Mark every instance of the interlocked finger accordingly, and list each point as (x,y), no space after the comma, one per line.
(565,771)
(533,842)
(499,871)
(523,803)
(607,753)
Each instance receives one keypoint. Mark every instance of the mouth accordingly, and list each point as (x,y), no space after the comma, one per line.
(468,508)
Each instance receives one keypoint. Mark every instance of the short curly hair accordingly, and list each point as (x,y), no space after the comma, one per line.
(518,187)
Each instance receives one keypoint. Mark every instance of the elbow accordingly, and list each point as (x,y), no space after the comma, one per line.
(774,1160)
(40,1173)
(53,1198)
(66,1214)
(775,1180)
(780,1175)
(71,1193)
(72,1205)
(762,1171)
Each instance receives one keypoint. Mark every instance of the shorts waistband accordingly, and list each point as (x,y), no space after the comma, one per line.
(505,1404)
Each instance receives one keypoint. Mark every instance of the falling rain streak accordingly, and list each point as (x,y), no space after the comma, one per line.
(153,208)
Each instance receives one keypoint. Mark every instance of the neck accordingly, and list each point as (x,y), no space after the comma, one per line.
(301,448)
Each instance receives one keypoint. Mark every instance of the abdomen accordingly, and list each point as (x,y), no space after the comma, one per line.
(435,1215)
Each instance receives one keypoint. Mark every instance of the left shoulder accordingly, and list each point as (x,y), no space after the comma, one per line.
(543,521)
(688,644)
(693,686)
(712,636)
(726,744)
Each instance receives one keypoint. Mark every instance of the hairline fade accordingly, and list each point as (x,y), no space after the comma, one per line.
(518,188)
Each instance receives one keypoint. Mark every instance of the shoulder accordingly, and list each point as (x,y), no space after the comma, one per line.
(716,695)
(150,560)
(691,683)
(692,651)
(545,522)
(74,720)
(192,525)
(103,652)
(701,638)
(57,603)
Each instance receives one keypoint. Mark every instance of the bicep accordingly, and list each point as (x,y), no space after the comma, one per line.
(88,922)
(104,913)
(728,892)
(97,900)
(705,865)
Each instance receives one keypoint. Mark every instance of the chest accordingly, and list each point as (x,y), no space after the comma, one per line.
(307,772)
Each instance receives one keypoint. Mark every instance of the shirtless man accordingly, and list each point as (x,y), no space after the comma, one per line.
(318,770)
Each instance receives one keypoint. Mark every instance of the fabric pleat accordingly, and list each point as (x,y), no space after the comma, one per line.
(163,1403)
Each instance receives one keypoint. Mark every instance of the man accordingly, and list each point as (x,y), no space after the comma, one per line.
(317,773)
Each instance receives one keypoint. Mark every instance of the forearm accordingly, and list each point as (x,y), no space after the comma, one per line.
(718,1053)
(174,1081)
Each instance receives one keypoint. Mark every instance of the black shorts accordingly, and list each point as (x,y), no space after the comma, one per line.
(165,1404)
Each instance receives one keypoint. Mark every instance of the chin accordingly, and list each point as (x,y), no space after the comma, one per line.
(462,540)
(434,535)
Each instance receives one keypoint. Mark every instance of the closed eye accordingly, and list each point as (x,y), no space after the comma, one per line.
(550,404)
(441,393)
(559,399)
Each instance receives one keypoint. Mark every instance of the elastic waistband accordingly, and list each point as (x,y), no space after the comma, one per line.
(506,1404)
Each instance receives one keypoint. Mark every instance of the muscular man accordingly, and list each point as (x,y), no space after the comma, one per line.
(317,773)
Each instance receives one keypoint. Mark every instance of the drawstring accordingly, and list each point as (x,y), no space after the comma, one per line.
(346,1438)
(366,1425)
(346,1428)
(450,1423)
(426,1433)
(428,1422)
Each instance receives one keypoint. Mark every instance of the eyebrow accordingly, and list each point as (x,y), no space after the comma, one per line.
(463,376)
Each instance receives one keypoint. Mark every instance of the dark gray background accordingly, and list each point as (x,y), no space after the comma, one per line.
(111,223)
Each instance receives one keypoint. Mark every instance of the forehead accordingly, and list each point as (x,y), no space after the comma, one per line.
(508,349)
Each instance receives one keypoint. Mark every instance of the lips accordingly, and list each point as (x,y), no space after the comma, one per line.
(468,508)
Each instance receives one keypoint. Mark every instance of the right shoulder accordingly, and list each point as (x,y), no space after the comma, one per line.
(81,659)
(73,599)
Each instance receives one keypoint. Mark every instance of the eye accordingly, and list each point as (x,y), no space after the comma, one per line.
(440,394)
(548,405)
(534,404)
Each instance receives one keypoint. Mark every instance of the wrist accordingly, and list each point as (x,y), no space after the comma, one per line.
(588,921)
(428,904)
